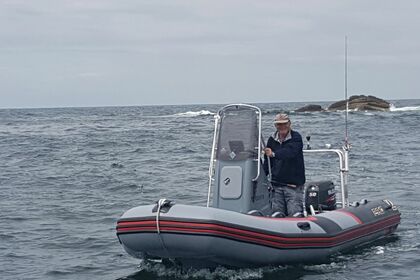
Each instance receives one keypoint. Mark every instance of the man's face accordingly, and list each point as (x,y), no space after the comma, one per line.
(283,129)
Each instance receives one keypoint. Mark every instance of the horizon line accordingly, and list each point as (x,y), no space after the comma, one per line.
(182,104)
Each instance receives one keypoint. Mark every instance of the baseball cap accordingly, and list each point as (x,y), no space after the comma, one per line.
(281,118)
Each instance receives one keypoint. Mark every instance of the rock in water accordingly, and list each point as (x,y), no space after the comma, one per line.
(361,103)
(310,108)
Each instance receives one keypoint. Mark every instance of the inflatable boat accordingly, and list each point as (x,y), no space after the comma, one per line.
(237,227)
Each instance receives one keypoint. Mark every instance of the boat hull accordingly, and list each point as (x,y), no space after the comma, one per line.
(202,236)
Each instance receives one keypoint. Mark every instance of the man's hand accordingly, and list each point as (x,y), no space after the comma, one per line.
(268,152)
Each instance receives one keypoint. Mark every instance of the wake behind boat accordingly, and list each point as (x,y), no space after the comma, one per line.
(236,227)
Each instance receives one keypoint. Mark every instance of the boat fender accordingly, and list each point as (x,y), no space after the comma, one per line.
(164,207)
(304,225)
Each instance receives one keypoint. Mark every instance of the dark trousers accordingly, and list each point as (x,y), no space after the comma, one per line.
(288,200)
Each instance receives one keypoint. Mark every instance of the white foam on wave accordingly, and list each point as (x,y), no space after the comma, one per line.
(159,270)
(195,113)
(379,250)
(176,272)
(350,110)
(392,108)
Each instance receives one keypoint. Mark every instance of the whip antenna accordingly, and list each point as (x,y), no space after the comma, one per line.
(346,140)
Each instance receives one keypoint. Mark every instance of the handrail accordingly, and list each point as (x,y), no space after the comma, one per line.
(216,124)
(259,143)
(344,168)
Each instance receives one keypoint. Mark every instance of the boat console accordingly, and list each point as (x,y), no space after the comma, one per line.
(235,172)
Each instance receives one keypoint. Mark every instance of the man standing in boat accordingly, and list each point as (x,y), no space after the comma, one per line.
(284,148)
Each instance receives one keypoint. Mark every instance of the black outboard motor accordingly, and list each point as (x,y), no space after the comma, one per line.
(321,195)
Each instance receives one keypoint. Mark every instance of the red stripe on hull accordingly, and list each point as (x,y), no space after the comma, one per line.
(256,237)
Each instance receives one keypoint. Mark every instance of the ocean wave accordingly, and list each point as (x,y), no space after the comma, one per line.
(392,108)
(161,271)
(195,113)
(379,250)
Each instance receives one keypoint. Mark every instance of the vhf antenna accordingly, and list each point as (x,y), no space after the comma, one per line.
(346,140)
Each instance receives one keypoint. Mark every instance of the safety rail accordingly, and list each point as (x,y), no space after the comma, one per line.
(343,155)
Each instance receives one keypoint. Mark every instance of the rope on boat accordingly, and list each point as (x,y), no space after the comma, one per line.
(161,203)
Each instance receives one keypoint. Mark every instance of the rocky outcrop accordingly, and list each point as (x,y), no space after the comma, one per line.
(310,108)
(356,102)
(361,103)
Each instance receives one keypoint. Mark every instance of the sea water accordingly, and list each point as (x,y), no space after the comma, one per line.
(68,174)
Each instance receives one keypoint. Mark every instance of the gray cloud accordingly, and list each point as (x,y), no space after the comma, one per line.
(87,53)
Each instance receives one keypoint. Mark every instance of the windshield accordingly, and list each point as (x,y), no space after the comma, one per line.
(238,133)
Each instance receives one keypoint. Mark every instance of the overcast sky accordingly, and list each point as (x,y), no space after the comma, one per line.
(131,52)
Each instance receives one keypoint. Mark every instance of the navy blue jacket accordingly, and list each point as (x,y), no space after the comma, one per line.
(287,166)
